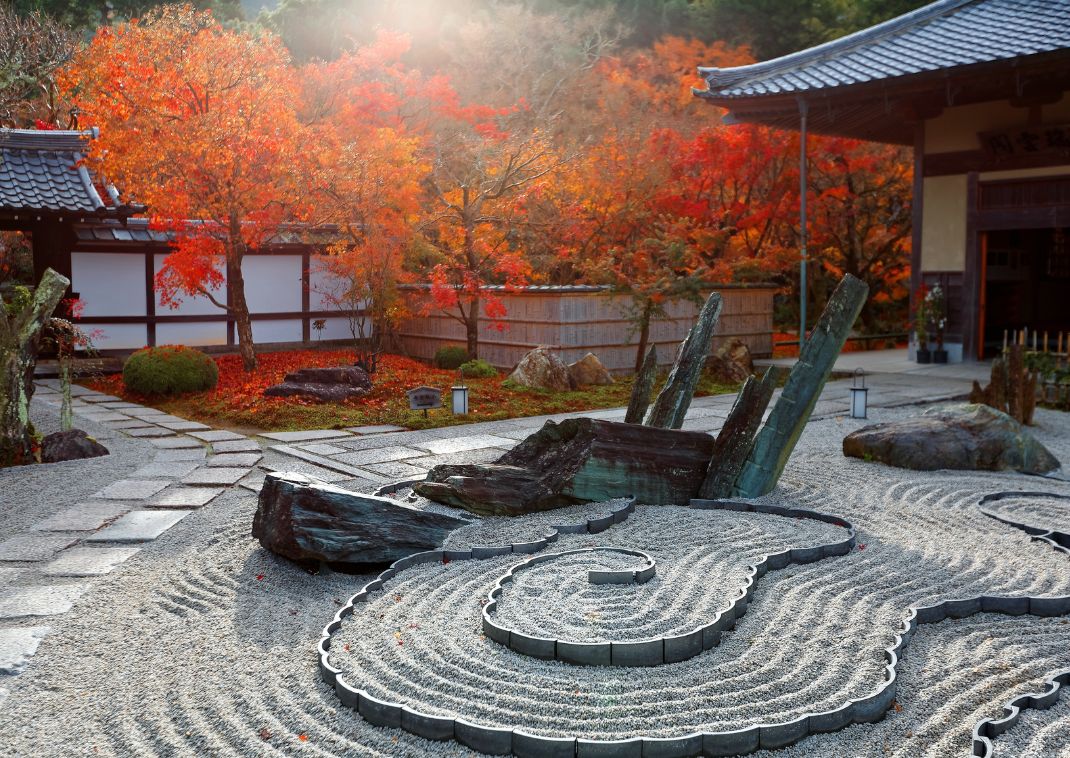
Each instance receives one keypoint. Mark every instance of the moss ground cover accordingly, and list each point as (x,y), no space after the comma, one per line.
(237,401)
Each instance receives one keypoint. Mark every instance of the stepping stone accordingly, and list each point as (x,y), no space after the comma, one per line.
(139,526)
(184,426)
(34,546)
(17,647)
(217,435)
(216,476)
(106,416)
(461,444)
(122,404)
(88,561)
(152,431)
(8,575)
(130,423)
(131,489)
(83,517)
(47,600)
(254,481)
(323,449)
(397,470)
(378,455)
(184,497)
(376,429)
(322,466)
(198,453)
(150,414)
(165,468)
(306,436)
(101,399)
(235,459)
(161,419)
(244,445)
(177,443)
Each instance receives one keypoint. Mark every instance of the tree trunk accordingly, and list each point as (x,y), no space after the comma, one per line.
(471,327)
(19,336)
(644,334)
(239,308)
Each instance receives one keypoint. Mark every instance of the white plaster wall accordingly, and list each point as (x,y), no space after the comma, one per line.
(196,334)
(334,329)
(192,306)
(281,330)
(109,284)
(320,282)
(272,283)
(118,336)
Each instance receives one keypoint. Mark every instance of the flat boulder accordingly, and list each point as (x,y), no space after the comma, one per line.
(325,385)
(969,437)
(732,362)
(71,445)
(588,370)
(542,369)
(302,518)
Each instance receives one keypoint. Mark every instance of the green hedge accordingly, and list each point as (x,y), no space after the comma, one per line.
(169,370)
(478,369)
(450,357)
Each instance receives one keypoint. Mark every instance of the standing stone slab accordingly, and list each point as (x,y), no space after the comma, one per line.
(670,407)
(17,646)
(736,438)
(88,561)
(777,438)
(139,526)
(644,386)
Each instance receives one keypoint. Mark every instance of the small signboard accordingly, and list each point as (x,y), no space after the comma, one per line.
(424,398)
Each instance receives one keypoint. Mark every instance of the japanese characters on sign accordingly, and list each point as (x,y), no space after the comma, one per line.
(1027,140)
(423,398)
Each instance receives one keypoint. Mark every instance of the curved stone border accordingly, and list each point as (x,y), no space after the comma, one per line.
(988,729)
(1058,540)
(516,741)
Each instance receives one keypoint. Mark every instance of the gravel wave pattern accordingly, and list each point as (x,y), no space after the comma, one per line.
(1038,734)
(1039,510)
(527,528)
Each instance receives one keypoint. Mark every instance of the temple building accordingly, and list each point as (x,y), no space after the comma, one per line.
(981,90)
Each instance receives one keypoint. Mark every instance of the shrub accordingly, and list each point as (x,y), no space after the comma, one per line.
(169,370)
(478,369)
(450,357)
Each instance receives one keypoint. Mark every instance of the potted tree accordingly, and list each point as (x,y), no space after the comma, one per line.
(934,310)
(921,326)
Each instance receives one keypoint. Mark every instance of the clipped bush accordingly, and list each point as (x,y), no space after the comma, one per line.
(169,370)
(478,369)
(450,357)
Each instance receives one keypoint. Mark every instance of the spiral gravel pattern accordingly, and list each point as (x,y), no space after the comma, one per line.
(1039,511)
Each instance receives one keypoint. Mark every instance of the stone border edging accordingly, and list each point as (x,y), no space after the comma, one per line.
(988,729)
(516,741)
(1058,540)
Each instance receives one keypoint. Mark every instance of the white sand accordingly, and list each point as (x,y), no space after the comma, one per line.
(186,652)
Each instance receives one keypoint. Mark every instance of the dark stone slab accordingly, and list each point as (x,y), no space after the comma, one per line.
(326,385)
(304,519)
(71,445)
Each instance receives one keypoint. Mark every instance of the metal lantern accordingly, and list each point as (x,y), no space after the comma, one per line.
(460,398)
(858,395)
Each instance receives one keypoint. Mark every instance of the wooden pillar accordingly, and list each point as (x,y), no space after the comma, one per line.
(306,297)
(973,281)
(917,209)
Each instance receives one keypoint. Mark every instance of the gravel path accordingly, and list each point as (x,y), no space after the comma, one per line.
(204,643)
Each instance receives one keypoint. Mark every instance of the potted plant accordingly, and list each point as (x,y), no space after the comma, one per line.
(921,326)
(934,310)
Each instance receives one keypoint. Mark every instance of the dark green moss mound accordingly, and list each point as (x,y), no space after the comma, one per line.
(169,370)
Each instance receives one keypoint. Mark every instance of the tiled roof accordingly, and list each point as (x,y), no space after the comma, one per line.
(43,171)
(943,35)
(138,230)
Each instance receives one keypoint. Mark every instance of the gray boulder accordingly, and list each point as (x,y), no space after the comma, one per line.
(542,369)
(304,519)
(588,370)
(71,445)
(324,385)
(970,437)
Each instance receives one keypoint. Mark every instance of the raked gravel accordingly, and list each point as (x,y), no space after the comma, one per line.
(1038,734)
(1040,511)
(203,643)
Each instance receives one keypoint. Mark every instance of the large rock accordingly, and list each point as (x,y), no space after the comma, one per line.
(588,370)
(542,369)
(71,445)
(972,437)
(324,385)
(732,363)
(579,460)
(305,519)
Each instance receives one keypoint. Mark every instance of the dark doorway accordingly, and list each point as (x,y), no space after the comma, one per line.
(1027,285)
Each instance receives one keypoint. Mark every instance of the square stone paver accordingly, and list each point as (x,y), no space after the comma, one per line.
(17,647)
(243,445)
(165,468)
(184,426)
(198,453)
(482,455)
(306,436)
(244,460)
(215,476)
(376,429)
(184,497)
(139,526)
(177,443)
(322,448)
(130,423)
(100,398)
(88,561)
(377,455)
(121,405)
(131,489)
(83,517)
(216,435)
(106,415)
(470,442)
(46,600)
(397,470)
(152,431)
(34,546)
